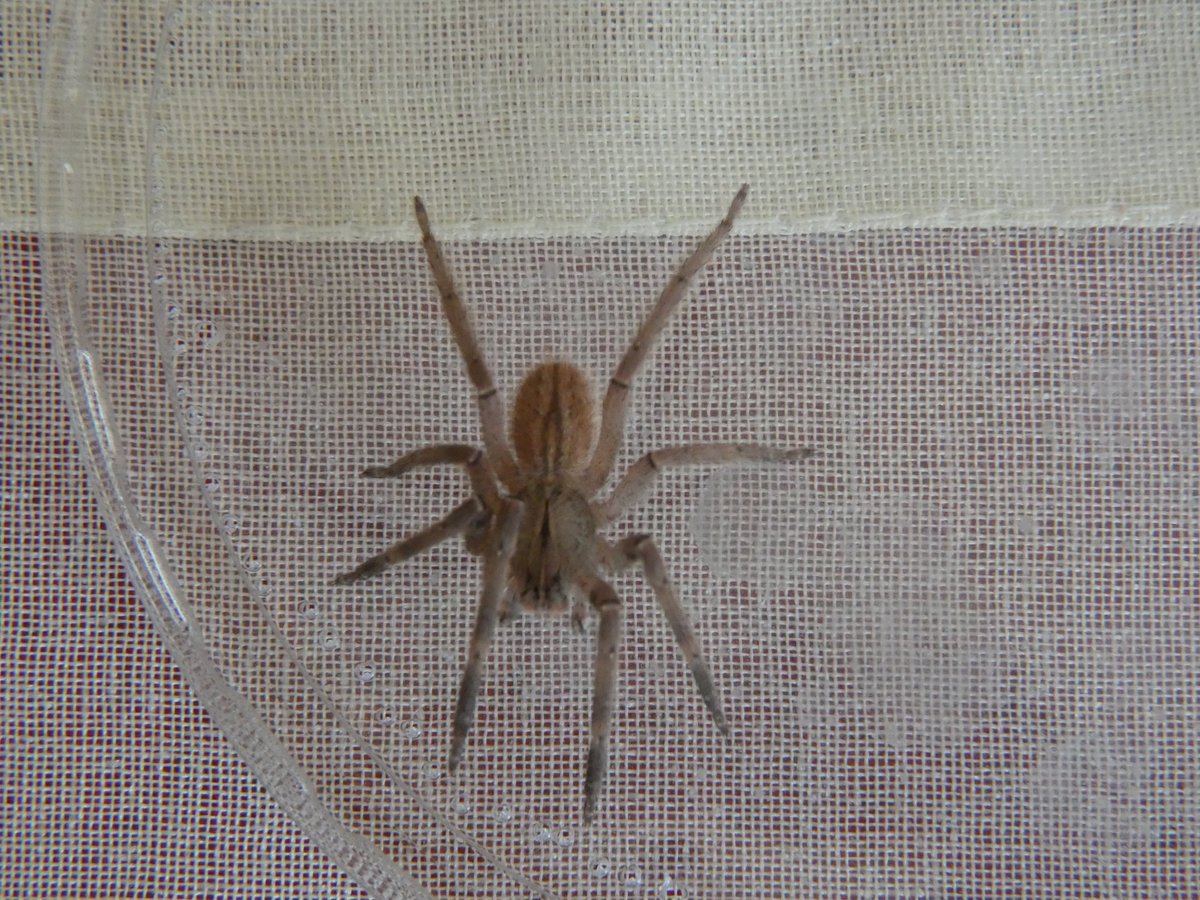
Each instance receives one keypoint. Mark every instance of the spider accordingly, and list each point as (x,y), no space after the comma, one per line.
(532,518)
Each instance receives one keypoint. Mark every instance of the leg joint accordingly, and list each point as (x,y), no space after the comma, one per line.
(603,597)
(636,545)
(606,601)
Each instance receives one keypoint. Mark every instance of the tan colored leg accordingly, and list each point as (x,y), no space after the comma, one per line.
(491,408)
(640,548)
(616,399)
(472,459)
(641,476)
(455,523)
(495,569)
(604,685)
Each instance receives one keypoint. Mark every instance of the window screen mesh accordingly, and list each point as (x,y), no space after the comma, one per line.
(956,647)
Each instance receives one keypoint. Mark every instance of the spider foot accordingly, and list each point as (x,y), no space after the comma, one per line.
(366,570)
(722,724)
(509,609)
(579,611)
(372,472)
(798,453)
(597,767)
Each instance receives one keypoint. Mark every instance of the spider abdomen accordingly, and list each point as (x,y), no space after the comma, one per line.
(553,421)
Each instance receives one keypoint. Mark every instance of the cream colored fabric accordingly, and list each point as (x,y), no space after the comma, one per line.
(956,647)
(316,121)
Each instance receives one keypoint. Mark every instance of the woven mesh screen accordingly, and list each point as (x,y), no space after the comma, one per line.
(956,647)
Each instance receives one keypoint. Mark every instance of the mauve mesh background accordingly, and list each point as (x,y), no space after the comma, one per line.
(956,647)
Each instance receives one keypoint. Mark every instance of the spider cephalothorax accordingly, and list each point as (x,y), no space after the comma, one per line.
(533,518)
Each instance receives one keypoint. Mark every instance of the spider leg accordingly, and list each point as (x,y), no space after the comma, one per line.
(616,399)
(491,408)
(641,549)
(604,682)
(495,567)
(472,459)
(641,475)
(455,523)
